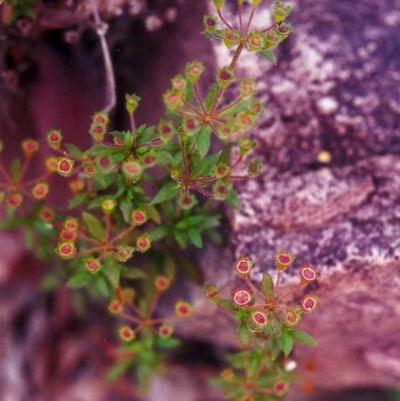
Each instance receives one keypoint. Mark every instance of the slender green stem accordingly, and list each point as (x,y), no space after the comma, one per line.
(229,106)
(255,289)
(198,97)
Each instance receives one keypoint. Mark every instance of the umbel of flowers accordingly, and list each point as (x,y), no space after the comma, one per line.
(265,328)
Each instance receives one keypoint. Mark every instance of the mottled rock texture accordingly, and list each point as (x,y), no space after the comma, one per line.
(336,89)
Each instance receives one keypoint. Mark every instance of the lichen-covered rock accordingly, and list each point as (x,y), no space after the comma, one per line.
(330,188)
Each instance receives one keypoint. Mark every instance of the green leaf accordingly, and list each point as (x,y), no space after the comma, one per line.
(158,233)
(212,95)
(118,370)
(275,348)
(241,106)
(287,343)
(77,200)
(267,285)
(167,343)
(275,324)
(126,207)
(94,226)
(79,280)
(112,270)
(100,149)
(227,304)
(206,165)
(243,334)
(132,273)
(233,199)
(268,55)
(225,156)
(146,135)
(168,191)
(194,236)
(164,157)
(303,337)
(73,150)
(204,140)
(153,213)
(180,237)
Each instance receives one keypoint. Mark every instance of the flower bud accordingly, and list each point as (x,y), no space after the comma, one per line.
(71,224)
(292,317)
(65,165)
(161,283)
(243,266)
(108,206)
(54,138)
(51,164)
(165,330)
(138,217)
(46,214)
(14,200)
(186,201)
(226,130)
(246,144)
(172,99)
(218,4)
(308,274)
(183,309)
(165,129)
(178,83)
(190,125)
(89,170)
(123,253)
(115,307)
(284,30)
(254,167)
(259,318)
(283,260)
(66,250)
(221,170)
(76,186)
(210,22)
(149,159)
(132,168)
(126,333)
(245,120)
(98,131)
(309,303)
(280,387)
(281,10)
(227,374)
(30,147)
(132,103)
(40,190)
(143,243)
(193,70)
(68,236)
(225,77)
(248,87)
(92,264)
(271,39)
(257,107)
(100,118)
(211,292)
(256,41)
(230,37)
(221,189)
(242,296)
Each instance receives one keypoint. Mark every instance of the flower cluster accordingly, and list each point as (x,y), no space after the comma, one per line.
(265,327)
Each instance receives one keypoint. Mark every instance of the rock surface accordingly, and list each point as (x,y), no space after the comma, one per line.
(330,188)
